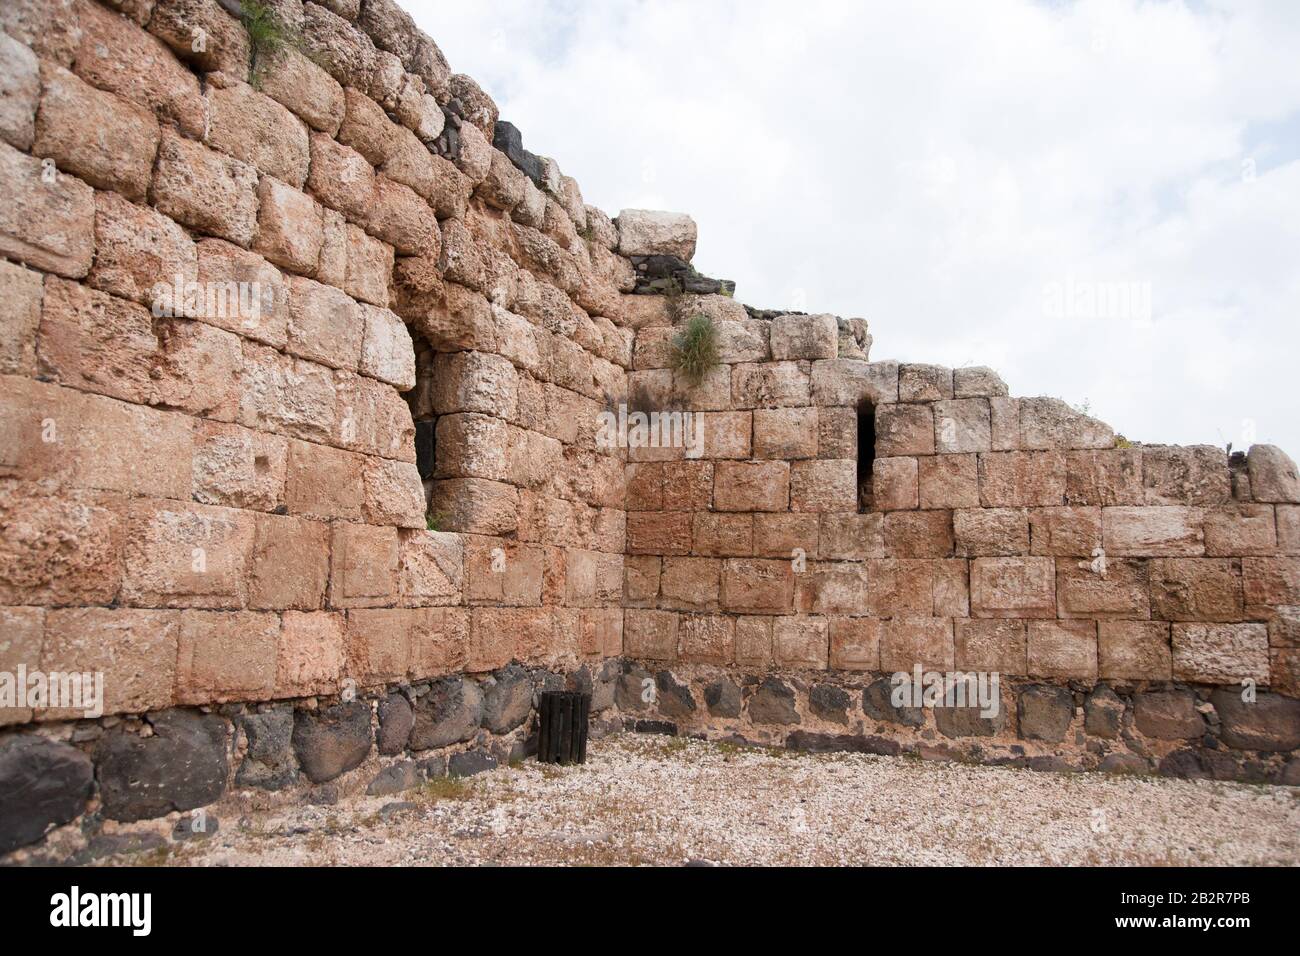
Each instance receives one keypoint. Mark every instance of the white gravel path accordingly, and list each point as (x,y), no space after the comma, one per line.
(644,800)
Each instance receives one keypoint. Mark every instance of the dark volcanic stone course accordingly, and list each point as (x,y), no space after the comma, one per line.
(1168,715)
(332,741)
(841,743)
(830,702)
(773,703)
(269,762)
(449,713)
(43,784)
(395,722)
(1271,723)
(1045,713)
(675,698)
(507,138)
(877,703)
(470,762)
(182,766)
(1103,714)
(723,698)
(508,701)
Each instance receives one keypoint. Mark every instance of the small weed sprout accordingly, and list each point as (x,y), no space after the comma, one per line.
(695,349)
(268,35)
(432,520)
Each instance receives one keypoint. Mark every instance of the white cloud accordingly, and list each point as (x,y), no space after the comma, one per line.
(934,166)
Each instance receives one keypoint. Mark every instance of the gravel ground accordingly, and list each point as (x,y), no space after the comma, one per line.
(669,801)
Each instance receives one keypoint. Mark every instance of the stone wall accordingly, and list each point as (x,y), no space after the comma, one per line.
(305,365)
(976,533)
(217,495)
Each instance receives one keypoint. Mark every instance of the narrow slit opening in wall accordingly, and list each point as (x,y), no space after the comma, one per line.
(866,454)
(420,399)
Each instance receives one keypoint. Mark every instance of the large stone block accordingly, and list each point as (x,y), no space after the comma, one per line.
(290,227)
(1013,588)
(290,567)
(1065,532)
(994,646)
(107,141)
(1269,723)
(785,433)
(949,481)
(722,535)
(369,267)
(324,482)
(311,656)
(991,532)
(1185,476)
(186,555)
(1269,583)
(918,534)
(751,486)
(1153,532)
(770,384)
(20,93)
(804,337)
(22,291)
(851,537)
(205,190)
(116,55)
(137,249)
(332,741)
(226,656)
(903,430)
(291,396)
(642,232)
(1168,715)
(659,533)
(757,586)
(1045,713)
(1273,475)
(785,535)
(1196,589)
(855,644)
(47,224)
(962,426)
(924,383)
(1104,478)
(245,280)
(225,47)
(1122,592)
(800,642)
(854,383)
(707,639)
(1063,649)
(379,644)
(57,550)
(650,634)
(238,467)
(901,587)
(826,588)
(1049,423)
(688,584)
(1243,529)
(1220,653)
(824,485)
(340,177)
(1022,479)
(364,564)
(134,650)
(906,642)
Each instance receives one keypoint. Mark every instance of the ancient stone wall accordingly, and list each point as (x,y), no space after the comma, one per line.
(306,372)
(775,582)
(222,249)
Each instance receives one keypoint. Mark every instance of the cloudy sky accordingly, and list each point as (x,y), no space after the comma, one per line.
(1101,200)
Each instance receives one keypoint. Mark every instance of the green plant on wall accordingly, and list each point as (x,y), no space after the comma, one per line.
(695,349)
(267,35)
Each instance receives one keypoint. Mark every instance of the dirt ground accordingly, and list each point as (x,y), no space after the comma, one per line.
(671,801)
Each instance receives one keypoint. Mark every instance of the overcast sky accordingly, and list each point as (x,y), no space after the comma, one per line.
(1100,200)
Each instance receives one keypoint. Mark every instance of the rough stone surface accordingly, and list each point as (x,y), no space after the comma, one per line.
(331,742)
(450,712)
(270,762)
(396,718)
(45,784)
(507,700)
(1045,713)
(773,703)
(184,765)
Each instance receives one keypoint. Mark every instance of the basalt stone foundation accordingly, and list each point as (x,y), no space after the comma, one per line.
(305,373)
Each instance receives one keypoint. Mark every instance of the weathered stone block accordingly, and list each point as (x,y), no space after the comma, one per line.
(785,433)
(977,382)
(1022,479)
(1045,713)
(690,584)
(643,232)
(784,535)
(46,225)
(20,93)
(105,140)
(962,425)
(1168,715)
(1185,476)
(238,467)
(22,291)
(949,481)
(895,484)
(924,383)
(1269,583)
(1122,592)
(364,565)
(1220,653)
(1243,529)
(908,641)
(754,641)
(824,485)
(1153,532)
(135,651)
(847,537)
(1196,589)
(330,742)
(918,534)
(756,585)
(901,587)
(773,703)
(854,383)
(855,644)
(47,784)
(1273,475)
(751,486)
(650,634)
(659,533)
(290,566)
(1063,649)
(770,384)
(796,337)
(993,646)
(903,430)
(1270,723)
(1065,532)
(1104,478)
(205,190)
(186,555)
(707,639)
(1013,588)
(226,656)
(1048,423)
(991,532)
